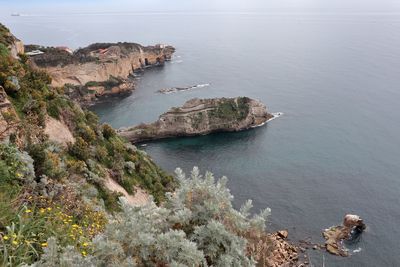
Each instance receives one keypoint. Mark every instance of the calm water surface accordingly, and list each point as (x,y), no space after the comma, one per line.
(335,76)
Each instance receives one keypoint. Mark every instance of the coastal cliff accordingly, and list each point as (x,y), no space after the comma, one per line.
(101,69)
(202,116)
(62,175)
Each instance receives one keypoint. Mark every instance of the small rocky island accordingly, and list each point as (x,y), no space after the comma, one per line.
(200,117)
(351,229)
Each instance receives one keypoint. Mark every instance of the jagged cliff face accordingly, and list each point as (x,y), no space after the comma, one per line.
(17,48)
(202,116)
(99,62)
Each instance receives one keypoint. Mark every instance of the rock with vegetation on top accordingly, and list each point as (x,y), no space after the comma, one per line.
(98,62)
(202,116)
(99,69)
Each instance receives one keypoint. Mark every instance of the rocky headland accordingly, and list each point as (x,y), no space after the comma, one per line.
(200,117)
(101,69)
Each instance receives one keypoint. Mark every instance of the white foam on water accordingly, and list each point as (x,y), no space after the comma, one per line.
(275,115)
(201,85)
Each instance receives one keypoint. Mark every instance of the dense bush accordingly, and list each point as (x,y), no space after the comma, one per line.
(108,131)
(18,166)
(196,226)
(46,160)
(80,149)
(24,240)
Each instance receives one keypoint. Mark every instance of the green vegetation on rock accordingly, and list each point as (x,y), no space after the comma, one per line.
(230,110)
(41,176)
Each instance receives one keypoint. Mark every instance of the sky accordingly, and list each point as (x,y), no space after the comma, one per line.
(198,5)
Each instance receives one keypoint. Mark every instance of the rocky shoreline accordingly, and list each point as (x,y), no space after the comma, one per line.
(99,70)
(200,117)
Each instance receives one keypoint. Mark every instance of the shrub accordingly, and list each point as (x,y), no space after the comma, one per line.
(76,166)
(24,240)
(46,162)
(102,154)
(91,119)
(86,133)
(197,226)
(80,149)
(55,105)
(5,176)
(19,165)
(3,51)
(108,131)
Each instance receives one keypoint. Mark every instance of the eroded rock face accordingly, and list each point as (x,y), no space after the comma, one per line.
(99,62)
(352,225)
(58,132)
(98,70)
(202,116)
(16,48)
(8,117)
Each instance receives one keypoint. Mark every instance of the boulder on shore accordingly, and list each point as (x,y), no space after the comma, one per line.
(200,117)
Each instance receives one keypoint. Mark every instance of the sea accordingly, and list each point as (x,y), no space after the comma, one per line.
(335,76)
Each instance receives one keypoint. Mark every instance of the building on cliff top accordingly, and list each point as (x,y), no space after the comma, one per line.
(66,49)
(34,53)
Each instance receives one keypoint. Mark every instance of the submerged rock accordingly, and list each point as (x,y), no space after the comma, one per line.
(181,89)
(202,116)
(352,226)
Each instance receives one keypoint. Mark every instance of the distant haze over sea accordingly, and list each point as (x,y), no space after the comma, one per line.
(331,68)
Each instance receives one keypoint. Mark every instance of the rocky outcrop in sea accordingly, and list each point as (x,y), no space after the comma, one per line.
(202,116)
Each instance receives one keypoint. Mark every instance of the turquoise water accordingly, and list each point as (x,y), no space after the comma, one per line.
(335,77)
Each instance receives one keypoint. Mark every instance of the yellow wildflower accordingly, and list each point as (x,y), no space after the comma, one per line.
(15,242)
(49,209)
(84,253)
(85,244)
(28,211)
(42,210)
(5,237)
(44,244)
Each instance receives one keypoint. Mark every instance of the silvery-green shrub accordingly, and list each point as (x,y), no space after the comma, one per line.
(196,226)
